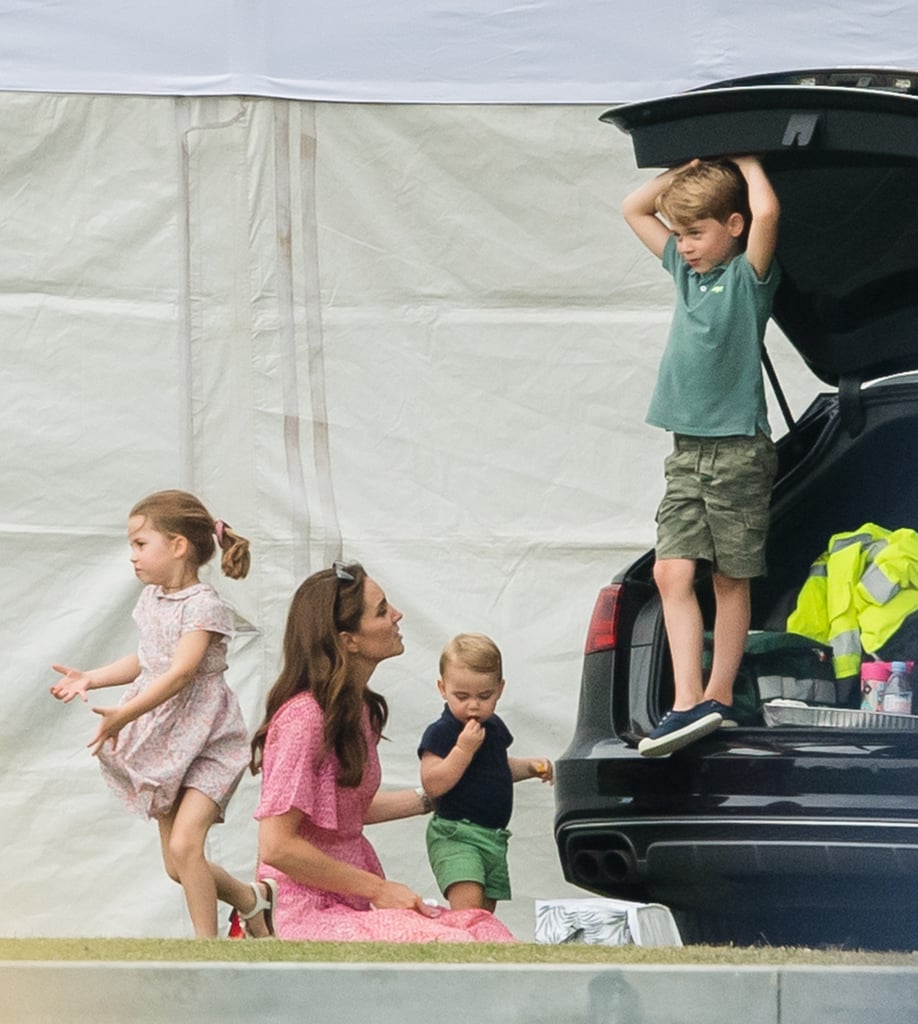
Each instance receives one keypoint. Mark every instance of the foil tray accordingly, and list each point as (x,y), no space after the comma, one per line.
(788,712)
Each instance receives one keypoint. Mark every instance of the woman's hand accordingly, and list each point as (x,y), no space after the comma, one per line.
(395,896)
(75,683)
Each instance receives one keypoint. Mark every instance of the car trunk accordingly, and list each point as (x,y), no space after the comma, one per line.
(841,149)
(829,483)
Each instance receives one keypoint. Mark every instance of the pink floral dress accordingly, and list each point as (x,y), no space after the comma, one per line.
(299,773)
(198,737)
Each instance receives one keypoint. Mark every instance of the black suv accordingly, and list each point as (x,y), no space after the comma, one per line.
(783,834)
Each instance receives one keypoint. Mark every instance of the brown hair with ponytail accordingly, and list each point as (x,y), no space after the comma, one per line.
(180,514)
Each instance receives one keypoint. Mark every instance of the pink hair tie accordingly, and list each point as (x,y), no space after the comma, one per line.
(220,531)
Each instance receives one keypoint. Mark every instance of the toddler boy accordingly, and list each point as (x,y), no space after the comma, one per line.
(466,770)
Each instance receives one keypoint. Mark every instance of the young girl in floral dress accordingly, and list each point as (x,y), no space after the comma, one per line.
(175,747)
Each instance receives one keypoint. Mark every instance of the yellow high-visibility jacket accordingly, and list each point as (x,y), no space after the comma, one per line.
(858,593)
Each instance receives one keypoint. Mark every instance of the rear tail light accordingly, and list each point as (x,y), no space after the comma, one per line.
(601,635)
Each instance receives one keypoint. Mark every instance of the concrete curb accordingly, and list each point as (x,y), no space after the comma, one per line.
(34,992)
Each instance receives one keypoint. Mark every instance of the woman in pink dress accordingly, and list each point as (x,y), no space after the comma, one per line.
(317,750)
(175,747)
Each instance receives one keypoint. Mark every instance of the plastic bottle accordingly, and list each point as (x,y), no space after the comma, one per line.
(897,695)
(873,679)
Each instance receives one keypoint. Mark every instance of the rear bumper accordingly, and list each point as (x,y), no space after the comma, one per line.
(756,817)
(705,862)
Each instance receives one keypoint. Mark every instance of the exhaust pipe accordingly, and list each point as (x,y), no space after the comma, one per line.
(611,861)
(619,865)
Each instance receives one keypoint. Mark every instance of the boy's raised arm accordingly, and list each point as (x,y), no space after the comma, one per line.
(766,210)
(639,212)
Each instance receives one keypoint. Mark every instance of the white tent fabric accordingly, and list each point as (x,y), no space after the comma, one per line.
(418,51)
(418,336)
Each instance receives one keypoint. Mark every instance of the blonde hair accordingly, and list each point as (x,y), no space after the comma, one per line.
(476,652)
(180,514)
(709,188)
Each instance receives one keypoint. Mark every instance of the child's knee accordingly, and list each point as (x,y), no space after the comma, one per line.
(730,588)
(674,576)
(183,848)
(466,896)
(169,865)
(171,871)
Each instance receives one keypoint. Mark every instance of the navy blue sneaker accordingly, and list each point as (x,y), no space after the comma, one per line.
(679,728)
(724,710)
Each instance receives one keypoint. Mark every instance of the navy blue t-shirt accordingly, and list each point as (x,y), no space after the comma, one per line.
(484,794)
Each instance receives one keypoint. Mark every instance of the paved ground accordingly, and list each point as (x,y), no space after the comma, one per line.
(181,993)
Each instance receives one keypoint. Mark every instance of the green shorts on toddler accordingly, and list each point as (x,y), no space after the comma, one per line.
(461,851)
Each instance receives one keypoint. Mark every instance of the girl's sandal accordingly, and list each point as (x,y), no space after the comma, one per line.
(263,905)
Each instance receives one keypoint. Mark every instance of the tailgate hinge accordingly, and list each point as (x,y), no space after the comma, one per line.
(850,404)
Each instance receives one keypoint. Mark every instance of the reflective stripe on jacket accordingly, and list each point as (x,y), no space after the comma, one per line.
(858,593)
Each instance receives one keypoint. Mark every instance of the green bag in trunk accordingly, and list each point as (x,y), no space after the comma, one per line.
(776,665)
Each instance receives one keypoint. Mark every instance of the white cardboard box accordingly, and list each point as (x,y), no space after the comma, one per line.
(605,922)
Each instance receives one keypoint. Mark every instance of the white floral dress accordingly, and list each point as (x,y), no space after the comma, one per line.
(196,738)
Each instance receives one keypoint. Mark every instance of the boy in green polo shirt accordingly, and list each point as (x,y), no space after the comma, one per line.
(718,241)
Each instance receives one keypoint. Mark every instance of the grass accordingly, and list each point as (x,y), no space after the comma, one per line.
(275,951)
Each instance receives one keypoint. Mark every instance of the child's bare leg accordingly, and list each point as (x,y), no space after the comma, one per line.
(239,894)
(199,814)
(182,835)
(469,896)
(731,626)
(675,578)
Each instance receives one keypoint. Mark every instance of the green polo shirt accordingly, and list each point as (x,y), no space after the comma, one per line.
(710,379)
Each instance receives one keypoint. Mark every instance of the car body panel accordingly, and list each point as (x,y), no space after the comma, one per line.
(801,834)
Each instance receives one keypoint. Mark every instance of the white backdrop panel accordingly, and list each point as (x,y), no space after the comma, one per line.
(420,336)
(445,51)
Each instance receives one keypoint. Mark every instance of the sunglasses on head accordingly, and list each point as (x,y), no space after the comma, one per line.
(341,571)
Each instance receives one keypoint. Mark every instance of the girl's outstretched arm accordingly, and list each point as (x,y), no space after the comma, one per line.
(189,653)
(76,683)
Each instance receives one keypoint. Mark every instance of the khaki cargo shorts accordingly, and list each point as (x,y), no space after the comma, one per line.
(716,504)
